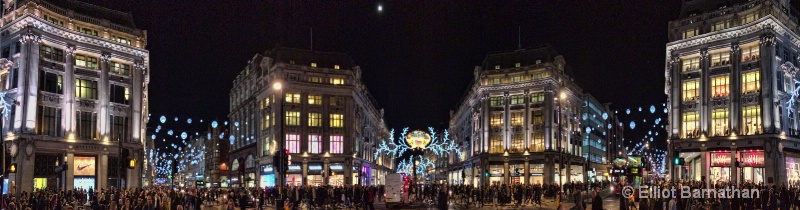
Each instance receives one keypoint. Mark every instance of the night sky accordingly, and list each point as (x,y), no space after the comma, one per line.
(417,57)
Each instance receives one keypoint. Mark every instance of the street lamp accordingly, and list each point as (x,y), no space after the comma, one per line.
(281,147)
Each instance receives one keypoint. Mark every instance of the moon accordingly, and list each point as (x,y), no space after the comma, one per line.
(380,8)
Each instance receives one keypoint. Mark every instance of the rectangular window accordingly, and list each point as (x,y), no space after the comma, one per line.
(517,118)
(691,64)
(517,64)
(537,117)
(537,141)
(496,101)
(690,33)
(86,30)
(265,122)
(86,89)
(86,61)
(749,18)
(314,144)
(337,144)
(719,122)
(120,68)
(266,144)
(691,125)
(496,66)
(48,121)
(336,67)
(517,142)
(496,143)
(119,128)
(751,120)
(719,86)
(337,80)
(336,101)
(314,65)
(337,120)
(751,82)
(537,97)
(517,78)
(314,100)
(293,143)
(750,53)
(518,99)
(315,79)
(120,94)
(54,20)
(495,80)
(540,75)
(121,40)
(51,82)
(721,25)
(292,118)
(86,125)
(719,59)
(51,53)
(314,119)
(691,90)
(497,119)
(293,98)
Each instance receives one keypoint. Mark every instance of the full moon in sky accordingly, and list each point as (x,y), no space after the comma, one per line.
(380,8)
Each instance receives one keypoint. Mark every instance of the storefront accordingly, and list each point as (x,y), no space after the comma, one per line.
(39,183)
(576,173)
(294,176)
(366,174)
(537,173)
(496,174)
(752,165)
(224,182)
(85,172)
(267,176)
(250,179)
(517,173)
(314,175)
(792,171)
(337,174)
(720,167)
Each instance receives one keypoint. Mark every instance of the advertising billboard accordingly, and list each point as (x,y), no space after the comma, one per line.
(634,161)
(84,166)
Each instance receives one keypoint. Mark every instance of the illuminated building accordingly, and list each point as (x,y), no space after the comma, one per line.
(518,121)
(731,87)
(595,143)
(80,78)
(217,167)
(331,124)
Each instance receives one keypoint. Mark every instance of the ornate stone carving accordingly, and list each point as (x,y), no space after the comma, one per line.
(750,99)
(30,37)
(717,103)
(735,48)
(768,39)
(704,54)
(105,57)
(692,105)
(70,50)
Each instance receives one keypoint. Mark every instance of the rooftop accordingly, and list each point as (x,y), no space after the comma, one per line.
(113,16)
(305,57)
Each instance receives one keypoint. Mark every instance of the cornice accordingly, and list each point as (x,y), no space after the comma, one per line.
(29,20)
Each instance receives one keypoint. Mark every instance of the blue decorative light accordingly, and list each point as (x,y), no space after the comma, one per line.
(226,122)
(605,116)
(588,129)
(627,111)
(633,124)
(640,108)
(176,119)
(184,135)
(584,116)
(609,126)
(232,138)
(214,124)
(652,109)
(658,120)
(163,119)
(169,132)
(153,136)
(208,136)
(236,124)
(189,121)
(665,110)
(222,135)
(651,139)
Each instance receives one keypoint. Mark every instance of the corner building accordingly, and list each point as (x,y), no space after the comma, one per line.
(519,122)
(331,124)
(79,86)
(729,80)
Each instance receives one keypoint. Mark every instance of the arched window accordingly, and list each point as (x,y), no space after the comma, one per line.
(250,162)
(235,165)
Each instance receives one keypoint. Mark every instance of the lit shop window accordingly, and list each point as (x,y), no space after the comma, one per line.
(749,18)
(720,86)
(496,101)
(719,122)
(750,52)
(518,99)
(690,90)
(516,118)
(337,120)
(719,59)
(292,118)
(751,120)
(314,99)
(337,81)
(691,125)
(497,119)
(293,98)
(337,144)
(314,119)
(721,25)
(690,33)
(691,64)
(751,82)
(314,144)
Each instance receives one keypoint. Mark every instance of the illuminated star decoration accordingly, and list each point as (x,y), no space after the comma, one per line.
(439,146)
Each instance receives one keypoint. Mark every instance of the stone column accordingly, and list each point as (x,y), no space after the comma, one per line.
(704,166)
(139,81)
(506,171)
(506,121)
(70,170)
(32,89)
(734,169)
(548,170)
(103,97)
(68,111)
(705,89)
(305,173)
(735,90)
(548,118)
(527,121)
(675,99)
(348,172)
(326,171)
(767,52)
(20,118)
(102,172)
(485,121)
(527,171)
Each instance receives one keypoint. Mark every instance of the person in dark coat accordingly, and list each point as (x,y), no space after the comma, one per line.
(442,197)
(597,200)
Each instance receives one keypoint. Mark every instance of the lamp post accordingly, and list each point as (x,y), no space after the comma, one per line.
(279,181)
(119,162)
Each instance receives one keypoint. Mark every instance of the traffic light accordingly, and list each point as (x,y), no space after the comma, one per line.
(287,160)
(487,172)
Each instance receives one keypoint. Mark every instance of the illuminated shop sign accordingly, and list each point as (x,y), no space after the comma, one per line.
(266,168)
(722,159)
(336,167)
(752,159)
